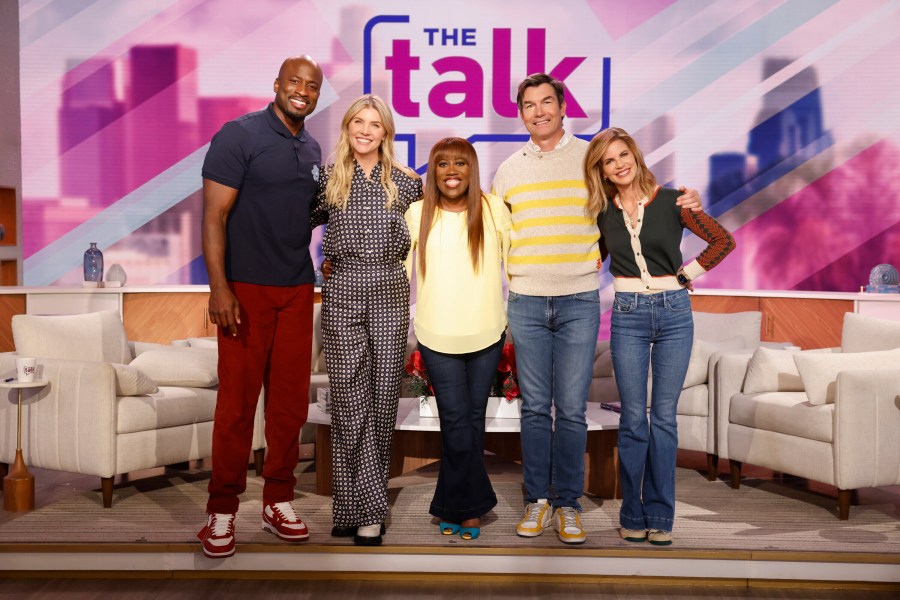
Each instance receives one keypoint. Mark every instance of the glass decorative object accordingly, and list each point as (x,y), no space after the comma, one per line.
(883,279)
(93,264)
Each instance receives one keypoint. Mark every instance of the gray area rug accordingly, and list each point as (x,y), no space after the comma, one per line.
(762,515)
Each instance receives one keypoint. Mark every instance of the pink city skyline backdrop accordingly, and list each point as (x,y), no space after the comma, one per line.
(779,112)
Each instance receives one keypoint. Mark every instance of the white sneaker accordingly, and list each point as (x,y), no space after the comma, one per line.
(536,519)
(567,523)
(217,536)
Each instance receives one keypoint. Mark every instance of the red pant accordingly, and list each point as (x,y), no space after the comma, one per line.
(273,349)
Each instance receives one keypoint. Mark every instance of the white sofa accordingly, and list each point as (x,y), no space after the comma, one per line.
(714,335)
(111,407)
(831,415)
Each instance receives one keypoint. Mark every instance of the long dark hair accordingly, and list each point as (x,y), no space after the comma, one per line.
(450,148)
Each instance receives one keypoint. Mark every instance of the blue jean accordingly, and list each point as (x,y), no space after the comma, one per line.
(647,329)
(462,384)
(555,338)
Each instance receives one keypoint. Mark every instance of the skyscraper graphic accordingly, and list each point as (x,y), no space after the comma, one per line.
(91,164)
(789,131)
(727,173)
(788,128)
(162,104)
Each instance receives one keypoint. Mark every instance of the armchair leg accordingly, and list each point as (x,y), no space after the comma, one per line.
(844,497)
(258,456)
(735,473)
(712,467)
(106,487)
(4,469)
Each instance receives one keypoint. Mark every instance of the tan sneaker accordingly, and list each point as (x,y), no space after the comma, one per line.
(567,523)
(537,517)
(633,535)
(658,537)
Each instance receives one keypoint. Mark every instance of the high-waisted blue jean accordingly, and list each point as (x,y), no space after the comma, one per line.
(647,329)
(555,338)
(462,383)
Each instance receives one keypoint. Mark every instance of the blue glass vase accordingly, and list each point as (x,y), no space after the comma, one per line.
(93,263)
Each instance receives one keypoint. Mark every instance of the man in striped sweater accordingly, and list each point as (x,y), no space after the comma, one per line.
(554,305)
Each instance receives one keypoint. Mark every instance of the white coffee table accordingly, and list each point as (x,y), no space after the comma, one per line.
(417,443)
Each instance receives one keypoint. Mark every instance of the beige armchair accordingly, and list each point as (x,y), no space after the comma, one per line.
(714,335)
(831,415)
(110,407)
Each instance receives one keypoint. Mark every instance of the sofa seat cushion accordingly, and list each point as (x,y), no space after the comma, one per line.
(169,407)
(694,401)
(789,413)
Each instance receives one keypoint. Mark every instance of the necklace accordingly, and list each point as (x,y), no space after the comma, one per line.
(631,214)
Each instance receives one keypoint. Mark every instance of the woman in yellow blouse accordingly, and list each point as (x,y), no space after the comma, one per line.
(460,236)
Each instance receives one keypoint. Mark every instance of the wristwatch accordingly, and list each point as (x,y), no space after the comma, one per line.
(681,277)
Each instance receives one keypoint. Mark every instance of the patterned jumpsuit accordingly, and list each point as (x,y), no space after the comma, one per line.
(365,323)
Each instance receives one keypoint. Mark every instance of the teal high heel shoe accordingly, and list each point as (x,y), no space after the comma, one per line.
(448,528)
(469,533)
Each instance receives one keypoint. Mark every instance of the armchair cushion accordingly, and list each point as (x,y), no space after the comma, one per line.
(866,334)
(189,367)
(98,336)
(168,407)
(819,371)
(131,381)
(789,413)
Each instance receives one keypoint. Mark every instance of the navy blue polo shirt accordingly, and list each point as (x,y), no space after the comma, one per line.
(276,175)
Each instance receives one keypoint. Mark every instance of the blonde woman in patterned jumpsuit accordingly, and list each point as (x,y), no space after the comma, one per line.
(365,310)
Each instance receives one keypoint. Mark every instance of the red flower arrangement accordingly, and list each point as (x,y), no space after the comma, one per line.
(505,383)
(417,376)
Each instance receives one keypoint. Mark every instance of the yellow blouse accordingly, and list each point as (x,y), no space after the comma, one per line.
(459,310)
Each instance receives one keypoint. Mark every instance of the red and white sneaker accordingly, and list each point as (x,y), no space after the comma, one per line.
(217,538)
(280,519)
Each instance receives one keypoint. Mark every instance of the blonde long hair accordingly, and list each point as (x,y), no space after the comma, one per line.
(448,148)
(341,172)
(601,190)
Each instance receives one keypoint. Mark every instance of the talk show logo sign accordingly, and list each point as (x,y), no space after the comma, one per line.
(441,71)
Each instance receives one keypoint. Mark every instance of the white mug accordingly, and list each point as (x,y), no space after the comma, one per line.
(25,368)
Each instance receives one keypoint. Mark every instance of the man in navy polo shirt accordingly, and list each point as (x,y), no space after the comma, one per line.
(259,180)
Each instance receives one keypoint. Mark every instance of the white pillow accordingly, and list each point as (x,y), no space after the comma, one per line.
(133,382)
(866,334)
(819,371)
(701,351)
(204,342)
(189,367)
(98,336)
(714,327)
(772,370)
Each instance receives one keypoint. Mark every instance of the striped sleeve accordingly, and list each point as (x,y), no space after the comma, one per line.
(719,241)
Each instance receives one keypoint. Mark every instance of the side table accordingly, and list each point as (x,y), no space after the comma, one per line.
(18,485)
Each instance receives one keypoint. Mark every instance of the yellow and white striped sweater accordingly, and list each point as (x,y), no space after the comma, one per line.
(553,244)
